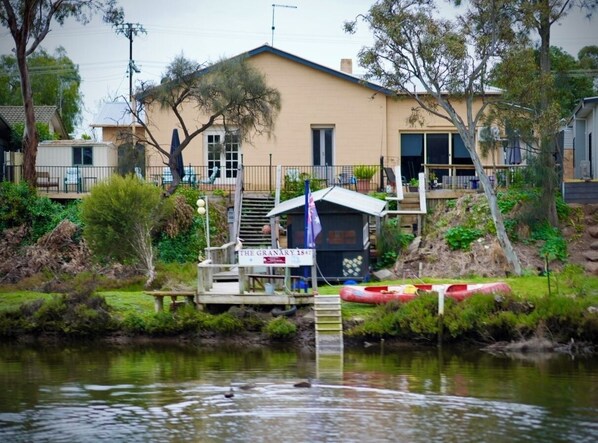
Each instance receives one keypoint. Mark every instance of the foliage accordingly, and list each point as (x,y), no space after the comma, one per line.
(280,328)
(20,205)
(119,217)
(391,242)
(364,172)
(555,246)
(55,81)
(295,187)
(461,237)
(414,182)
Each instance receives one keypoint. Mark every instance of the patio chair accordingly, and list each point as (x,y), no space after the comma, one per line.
(138,173)
(166,176)
(212,178)
(292,174)
(72,177)
(190,178)
(346,178)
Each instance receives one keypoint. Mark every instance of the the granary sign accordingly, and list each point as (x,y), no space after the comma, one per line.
(276,257)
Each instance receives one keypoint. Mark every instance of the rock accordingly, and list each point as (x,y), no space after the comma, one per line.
(591,255)
(591,268)
(384,274)
(593,231)
(414,246)
(594,245)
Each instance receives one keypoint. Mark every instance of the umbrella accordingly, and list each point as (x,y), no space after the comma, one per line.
(174,145)
(514,155)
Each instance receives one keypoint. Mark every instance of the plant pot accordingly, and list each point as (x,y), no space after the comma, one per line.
(413,188)
(363,185)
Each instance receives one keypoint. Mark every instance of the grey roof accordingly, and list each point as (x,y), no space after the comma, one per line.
(43,114)
(339,196)
(582,110)
(113,114)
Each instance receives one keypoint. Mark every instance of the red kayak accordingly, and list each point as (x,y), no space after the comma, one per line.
(405,293)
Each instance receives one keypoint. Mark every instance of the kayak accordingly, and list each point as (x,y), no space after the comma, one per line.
(405,293)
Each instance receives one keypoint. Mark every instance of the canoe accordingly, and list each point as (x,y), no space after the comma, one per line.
(406,293)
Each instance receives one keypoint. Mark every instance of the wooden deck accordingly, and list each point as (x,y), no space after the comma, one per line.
(227,293)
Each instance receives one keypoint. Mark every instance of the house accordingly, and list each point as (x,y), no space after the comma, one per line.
(584,124)
(5,148)
(328,117)
(43,114)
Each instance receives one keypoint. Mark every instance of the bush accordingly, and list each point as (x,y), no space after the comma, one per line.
(280,328)
(461,237)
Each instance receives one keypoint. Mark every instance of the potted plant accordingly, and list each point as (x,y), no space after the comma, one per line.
(364,174)
(413,185)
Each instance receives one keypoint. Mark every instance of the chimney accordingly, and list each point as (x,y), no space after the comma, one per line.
(347,65)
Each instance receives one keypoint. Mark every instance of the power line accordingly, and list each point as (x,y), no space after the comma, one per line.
(129,30)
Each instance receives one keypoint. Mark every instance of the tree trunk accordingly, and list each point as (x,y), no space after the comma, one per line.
(501,233)
(30,138)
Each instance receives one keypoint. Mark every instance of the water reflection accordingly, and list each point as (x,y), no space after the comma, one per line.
(176,393)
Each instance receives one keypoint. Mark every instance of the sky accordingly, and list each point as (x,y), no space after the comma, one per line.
(208,30)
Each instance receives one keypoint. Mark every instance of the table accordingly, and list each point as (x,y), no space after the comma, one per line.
(159,298)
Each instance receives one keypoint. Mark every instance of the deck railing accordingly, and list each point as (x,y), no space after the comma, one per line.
(258,178)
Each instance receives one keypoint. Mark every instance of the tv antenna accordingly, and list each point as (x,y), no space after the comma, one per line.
(274,6)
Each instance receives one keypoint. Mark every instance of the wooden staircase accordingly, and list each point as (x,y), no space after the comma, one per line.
(253,218)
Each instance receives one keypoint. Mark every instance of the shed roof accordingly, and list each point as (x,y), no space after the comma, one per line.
(338,196)
(114,114)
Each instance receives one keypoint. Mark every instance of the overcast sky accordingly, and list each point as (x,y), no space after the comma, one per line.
(207,30)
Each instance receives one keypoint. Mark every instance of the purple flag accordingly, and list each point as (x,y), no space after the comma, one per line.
(314,226)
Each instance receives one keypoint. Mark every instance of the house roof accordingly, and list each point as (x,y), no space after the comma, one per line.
(339,74)
(582,110)
(113,114)
(337,195)
(43,114)
(267,49)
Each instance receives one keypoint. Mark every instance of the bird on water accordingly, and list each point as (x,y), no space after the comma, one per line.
(303,384)
(230,393)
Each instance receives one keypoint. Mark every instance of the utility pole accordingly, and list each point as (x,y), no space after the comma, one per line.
(274,6)
(129,30)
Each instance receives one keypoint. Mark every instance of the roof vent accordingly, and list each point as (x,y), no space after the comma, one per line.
(347,65)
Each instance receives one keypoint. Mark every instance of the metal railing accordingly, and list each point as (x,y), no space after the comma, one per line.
(263,178)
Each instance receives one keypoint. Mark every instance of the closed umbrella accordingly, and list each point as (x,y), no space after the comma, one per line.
(174,145)
(514,154)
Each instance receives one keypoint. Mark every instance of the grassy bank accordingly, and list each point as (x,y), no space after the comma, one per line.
(562,314)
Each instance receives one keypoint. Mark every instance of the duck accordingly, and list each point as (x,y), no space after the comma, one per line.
(230,393)
(303,384)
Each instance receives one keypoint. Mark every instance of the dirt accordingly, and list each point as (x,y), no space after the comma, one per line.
(431,256)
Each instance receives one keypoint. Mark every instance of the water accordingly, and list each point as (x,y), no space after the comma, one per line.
(138,393)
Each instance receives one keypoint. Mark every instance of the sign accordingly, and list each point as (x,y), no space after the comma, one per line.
(291,258)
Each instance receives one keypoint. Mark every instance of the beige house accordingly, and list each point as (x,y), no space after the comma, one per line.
(328,117)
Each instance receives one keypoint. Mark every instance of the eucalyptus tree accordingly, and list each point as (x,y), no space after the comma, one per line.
(230,92)
(449,61)
(28,23)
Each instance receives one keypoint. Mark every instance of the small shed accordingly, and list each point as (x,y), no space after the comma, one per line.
(342,248)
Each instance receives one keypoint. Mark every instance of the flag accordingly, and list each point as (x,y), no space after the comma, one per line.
(314,227)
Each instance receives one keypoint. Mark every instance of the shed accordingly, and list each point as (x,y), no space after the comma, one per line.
(342,248)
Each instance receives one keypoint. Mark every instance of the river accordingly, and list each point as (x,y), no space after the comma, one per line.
(175,392)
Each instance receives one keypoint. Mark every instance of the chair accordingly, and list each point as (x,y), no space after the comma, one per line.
(72,177)
(138,173)
(212,178)
(292,174)
(346,178)
(166,176)
(190,178)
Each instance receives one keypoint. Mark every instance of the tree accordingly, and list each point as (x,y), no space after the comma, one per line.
(29,23)
(55,81)
(120,216)
(230,93)
(450,60)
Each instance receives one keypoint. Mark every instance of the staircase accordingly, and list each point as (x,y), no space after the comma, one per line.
(253,218)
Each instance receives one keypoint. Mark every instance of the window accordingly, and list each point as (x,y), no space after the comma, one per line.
(223,151)
(82,156)
(322,146)
(433,147)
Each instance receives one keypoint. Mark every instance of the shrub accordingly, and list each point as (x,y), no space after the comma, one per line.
(280,328)
(461,237)
(225,324)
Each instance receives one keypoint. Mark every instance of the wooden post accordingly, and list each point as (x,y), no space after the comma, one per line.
(158,303)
